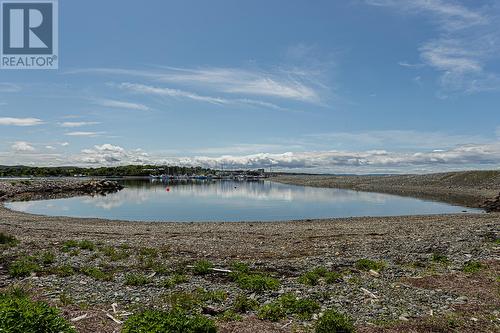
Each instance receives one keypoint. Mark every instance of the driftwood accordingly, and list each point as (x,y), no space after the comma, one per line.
(114,319)
(83,316)
(217,270)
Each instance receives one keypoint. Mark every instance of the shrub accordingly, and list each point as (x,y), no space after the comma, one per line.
(367,264)
(174,280)
(136,279)
(334,322)
(472,267)
(256,282)
(155,321)
(202,267)
(272,312)
(8,240)
(243,304)
(20,314)
(23,266)
(97,274)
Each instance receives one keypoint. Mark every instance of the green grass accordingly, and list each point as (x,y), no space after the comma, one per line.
(229,315)
(439,258)
(7,240)
(96,273)
(367,264)
(240,267)
(303,308)
(148,252)
(174,280)
(312,278)
(23,266)
(19,314)
(136,279)
(113,254)
(73,245)
(202,267)
(255,282)
(243,304)
(472,267)
(47,258)
(62,271)
(155,321)
(184,301)
(334,322)
(272,311)
(86,245)
(215,296)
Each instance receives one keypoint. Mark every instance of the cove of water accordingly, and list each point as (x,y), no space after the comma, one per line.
(195,201)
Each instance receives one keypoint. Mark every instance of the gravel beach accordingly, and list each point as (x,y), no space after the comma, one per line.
(437,273)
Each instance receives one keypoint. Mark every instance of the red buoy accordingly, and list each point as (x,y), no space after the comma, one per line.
(168,189)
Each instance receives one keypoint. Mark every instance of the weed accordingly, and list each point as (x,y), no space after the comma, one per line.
(62,271)
(174,280)
(334,322)
(148,252)
(472,267)
(272,312)
(255,282)
(243,304)
(96,273)
(202,267)
(229,315)
(367,264)
(113,254)
(23,266)
(136,279)
(19,314)
(439,258)
(86,245)
(47,258)
(156,321)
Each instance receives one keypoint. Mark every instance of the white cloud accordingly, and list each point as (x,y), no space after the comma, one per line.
(299,85)
(90,134)
(111,103)
(467,43)
(22,146)
(111,154)
(50,147)
(145,89)
(72,124)
(8,121)
(64,144)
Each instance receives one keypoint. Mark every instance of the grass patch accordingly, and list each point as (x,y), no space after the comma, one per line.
(113,254)
(148,252)
(62,271)
(215,296)
(96,273)
(334,322)
(86,245)
(155,321)
(303,308)
(73,245)
(312,278)
(240,267)
(255,282)
(133,279)
(471,267)
(174,280)
(243,304)
(367,264)
(19,314)
(47,258)
(23,266)
(7,240)
(229,315)
(439,258)
(272,311)
(183,301)
(202,267)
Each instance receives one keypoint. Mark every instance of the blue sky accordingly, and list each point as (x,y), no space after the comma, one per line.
(334,86)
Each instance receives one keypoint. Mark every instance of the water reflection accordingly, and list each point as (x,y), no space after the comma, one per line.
(231,201)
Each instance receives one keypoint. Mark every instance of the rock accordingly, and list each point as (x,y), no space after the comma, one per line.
(374,273)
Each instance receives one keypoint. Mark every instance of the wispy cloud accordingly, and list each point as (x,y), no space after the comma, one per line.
(8,121)
(299,85)
(467,41)
(111,103)
(72,124)
(88,134)
(22,146)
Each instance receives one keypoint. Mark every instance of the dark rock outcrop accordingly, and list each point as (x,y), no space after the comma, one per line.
(492,205)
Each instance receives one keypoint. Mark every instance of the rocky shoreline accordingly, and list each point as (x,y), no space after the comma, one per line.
(396,274)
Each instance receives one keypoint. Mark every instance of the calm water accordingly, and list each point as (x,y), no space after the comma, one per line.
(232,201)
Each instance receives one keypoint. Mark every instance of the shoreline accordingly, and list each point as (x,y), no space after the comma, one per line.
(411,285)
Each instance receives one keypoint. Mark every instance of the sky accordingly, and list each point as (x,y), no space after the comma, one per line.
(354,86)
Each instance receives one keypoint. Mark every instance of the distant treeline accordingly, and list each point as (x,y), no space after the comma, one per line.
(119,171)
